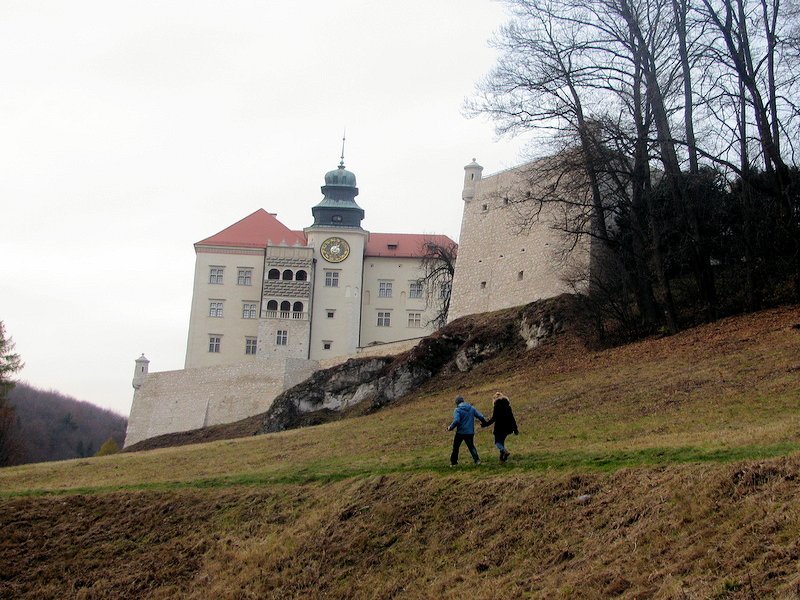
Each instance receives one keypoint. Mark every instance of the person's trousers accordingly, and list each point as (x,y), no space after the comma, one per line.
(467,439)
(500,441)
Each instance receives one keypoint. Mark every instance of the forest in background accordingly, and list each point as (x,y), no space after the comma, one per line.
(49,426)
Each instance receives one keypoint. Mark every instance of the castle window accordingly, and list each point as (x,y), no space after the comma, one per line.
(485,207)
(282,338)
(415,289)
(520,275)
(444,291)
(297,310)
(250,345)
(301,276)
(392,246)
(288,275)
(215,308)
(326,345)
(483,285)
(385,289)
(213,343)
(336,218)
(331,279)
(272,305)
(384,319)
(215,275)
(286,307)
(330,313)
(249,310)
(245,277)
(274,274)
(415,319)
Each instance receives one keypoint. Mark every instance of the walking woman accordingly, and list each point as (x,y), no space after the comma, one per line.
(504,424)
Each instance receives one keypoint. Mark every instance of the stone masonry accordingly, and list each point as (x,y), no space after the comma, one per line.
(500,263)
(171,401)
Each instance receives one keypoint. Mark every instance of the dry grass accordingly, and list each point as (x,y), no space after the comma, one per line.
(686,447)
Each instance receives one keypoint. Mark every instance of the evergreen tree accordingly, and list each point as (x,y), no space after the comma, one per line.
(10,363)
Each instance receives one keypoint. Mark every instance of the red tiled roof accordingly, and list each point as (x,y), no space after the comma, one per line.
(255,231)
(404,245)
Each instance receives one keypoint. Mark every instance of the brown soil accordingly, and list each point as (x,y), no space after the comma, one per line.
(730,531)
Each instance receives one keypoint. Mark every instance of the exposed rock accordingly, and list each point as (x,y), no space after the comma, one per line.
(375,382)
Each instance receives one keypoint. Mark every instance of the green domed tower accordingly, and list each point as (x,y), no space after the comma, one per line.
(338,208)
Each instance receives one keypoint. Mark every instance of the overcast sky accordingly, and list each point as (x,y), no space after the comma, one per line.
(131,129)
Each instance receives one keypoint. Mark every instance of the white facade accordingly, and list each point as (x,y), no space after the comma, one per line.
(263,291)
(227,285)
(395,303)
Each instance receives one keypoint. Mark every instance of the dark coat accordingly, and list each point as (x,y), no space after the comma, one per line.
(503,418)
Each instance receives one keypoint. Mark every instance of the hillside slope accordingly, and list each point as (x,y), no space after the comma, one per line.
(53,426)
(667,468)
(365,385)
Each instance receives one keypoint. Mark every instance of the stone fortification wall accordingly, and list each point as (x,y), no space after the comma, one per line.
(172,401)
(387,349)
(500,263)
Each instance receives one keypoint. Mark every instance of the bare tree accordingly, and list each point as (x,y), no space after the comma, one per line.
(438,265)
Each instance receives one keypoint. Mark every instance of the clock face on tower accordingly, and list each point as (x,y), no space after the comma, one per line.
(334,249)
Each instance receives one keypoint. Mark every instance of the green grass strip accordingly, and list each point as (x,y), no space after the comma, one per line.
(322,472)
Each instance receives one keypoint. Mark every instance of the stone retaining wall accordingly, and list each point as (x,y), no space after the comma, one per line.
(172,401)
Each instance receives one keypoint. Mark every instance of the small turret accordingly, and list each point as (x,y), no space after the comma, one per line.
(140,371)
(472,175)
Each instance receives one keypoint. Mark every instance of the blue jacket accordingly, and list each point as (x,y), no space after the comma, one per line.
(464,419)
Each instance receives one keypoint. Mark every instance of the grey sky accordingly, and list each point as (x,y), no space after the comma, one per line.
(131,130)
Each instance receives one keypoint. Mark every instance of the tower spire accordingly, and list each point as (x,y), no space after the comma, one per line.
(344,133)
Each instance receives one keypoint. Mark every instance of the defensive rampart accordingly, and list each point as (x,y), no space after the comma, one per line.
(172,401)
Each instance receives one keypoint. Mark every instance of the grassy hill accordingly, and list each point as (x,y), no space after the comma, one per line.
(667,468)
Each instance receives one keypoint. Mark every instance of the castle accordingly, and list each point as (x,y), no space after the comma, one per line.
(271,305)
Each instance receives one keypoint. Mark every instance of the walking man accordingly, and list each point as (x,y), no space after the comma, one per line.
(464,423)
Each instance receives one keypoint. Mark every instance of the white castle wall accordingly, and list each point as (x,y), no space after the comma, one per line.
(172,401)
(498,265)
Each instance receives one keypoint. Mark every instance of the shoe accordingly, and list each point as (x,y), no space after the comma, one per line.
(504,456)
(454,465)
(477,462)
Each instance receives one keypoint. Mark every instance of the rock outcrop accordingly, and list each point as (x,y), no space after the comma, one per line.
(370,383)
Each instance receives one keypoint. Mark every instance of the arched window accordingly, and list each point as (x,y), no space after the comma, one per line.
(287,275)
(274,274)
(286,306)
(297,307)
(272,305)
(301,276)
